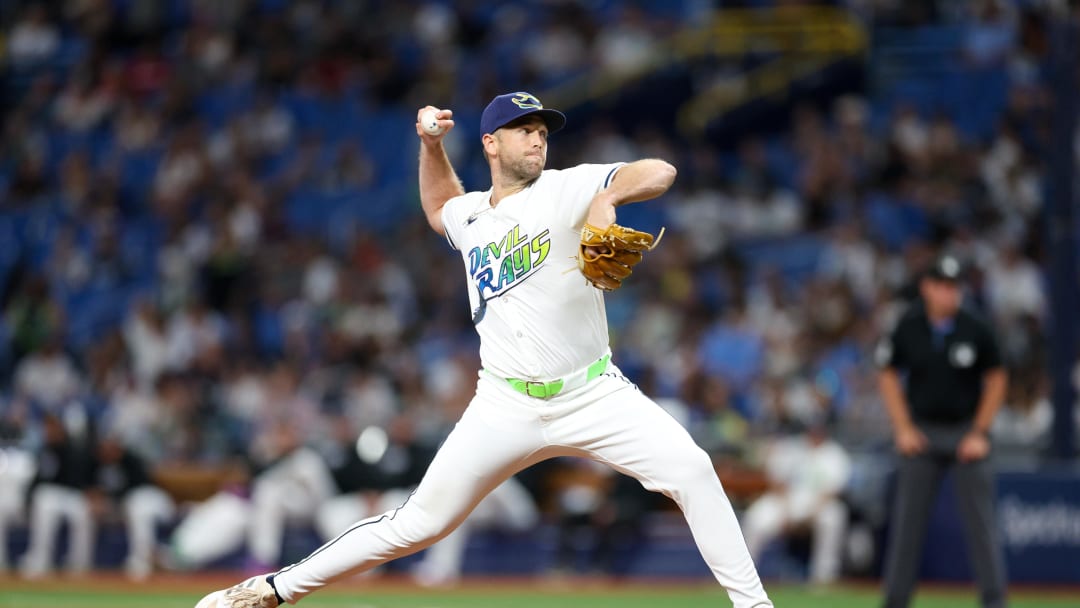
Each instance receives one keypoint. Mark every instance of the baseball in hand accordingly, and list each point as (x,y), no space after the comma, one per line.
(429,123)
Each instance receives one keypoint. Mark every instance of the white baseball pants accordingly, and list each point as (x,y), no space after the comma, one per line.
(770,514)
(502,432)
(290,491)
(16,472)
(51,505)
(144,508)
(211,530)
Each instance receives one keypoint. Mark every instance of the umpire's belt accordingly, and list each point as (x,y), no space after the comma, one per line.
(546,390)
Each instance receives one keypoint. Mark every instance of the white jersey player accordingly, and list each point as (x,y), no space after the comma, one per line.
(548,386)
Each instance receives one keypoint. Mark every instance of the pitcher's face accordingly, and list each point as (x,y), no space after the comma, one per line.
(520,148)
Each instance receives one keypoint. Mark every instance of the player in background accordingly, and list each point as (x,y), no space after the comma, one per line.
(808,473)
(548,386)
(65,476)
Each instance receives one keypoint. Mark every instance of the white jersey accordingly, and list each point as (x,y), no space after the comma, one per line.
(537,317)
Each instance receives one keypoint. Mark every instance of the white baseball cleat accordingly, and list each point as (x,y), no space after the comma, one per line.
(255,592)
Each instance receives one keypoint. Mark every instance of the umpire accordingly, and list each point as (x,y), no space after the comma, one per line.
(941,416)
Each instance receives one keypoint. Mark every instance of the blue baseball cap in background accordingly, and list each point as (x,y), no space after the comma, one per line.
(507,108)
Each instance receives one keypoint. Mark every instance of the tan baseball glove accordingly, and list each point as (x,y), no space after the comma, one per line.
(608,256)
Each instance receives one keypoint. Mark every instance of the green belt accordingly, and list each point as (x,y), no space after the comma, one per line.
(545,390)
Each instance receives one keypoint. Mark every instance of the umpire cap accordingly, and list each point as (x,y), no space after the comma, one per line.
(947,267)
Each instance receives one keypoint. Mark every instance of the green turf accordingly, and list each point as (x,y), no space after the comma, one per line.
(636,597)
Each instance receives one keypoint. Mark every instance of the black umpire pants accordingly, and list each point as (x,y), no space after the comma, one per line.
(918,481)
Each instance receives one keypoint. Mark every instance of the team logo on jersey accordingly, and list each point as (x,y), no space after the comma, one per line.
(496,267)
(962,354)
(526,101)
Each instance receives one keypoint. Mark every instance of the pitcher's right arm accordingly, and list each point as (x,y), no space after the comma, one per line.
(438,181)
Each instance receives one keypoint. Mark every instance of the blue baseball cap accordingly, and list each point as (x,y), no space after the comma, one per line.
(507,108)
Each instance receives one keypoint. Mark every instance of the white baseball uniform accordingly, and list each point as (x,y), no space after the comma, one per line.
(540,323)
(812,477)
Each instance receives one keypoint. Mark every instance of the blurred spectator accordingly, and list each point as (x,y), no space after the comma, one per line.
(993,32)
(1014,286)
(211,529)
(137,127)
(123,487)
(626,45)
(17,472)
(267,127)
(137,417)
(375,469)
(352,169)
(295,482)
(733,349)
(601,520)
(719,428)
(808,474)
(47,377)
(146,73)
(28,184)
(85,102)
(69,266)
(147,341)
(34,39)
(559,47)
(182,172)
(59,495)
(1022,427)
(285,482)
(195,337)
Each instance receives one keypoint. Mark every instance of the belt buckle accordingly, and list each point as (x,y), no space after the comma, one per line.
(536,389)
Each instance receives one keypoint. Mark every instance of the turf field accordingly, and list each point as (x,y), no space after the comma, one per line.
(183,593)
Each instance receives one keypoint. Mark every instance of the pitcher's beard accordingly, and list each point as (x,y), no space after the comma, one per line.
(523,170)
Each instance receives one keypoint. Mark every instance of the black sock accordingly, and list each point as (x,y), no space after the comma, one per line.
(270,579)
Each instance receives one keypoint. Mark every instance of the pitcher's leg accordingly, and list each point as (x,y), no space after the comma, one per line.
(626,429)
(475,458)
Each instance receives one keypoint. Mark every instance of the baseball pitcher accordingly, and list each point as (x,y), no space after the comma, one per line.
(540,248)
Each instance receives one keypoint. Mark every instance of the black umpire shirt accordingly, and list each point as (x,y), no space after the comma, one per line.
(944,366)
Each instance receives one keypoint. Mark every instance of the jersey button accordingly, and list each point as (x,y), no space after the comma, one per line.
(520,334)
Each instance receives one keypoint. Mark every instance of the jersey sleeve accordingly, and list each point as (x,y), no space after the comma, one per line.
(581,184)
(451,222)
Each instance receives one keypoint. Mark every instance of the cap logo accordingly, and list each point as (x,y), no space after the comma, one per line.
(525,101)
(950,266)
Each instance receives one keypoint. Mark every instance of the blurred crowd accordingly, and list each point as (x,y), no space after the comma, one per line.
(163,288)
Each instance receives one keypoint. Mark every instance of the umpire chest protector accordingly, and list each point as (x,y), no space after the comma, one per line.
(943,366)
